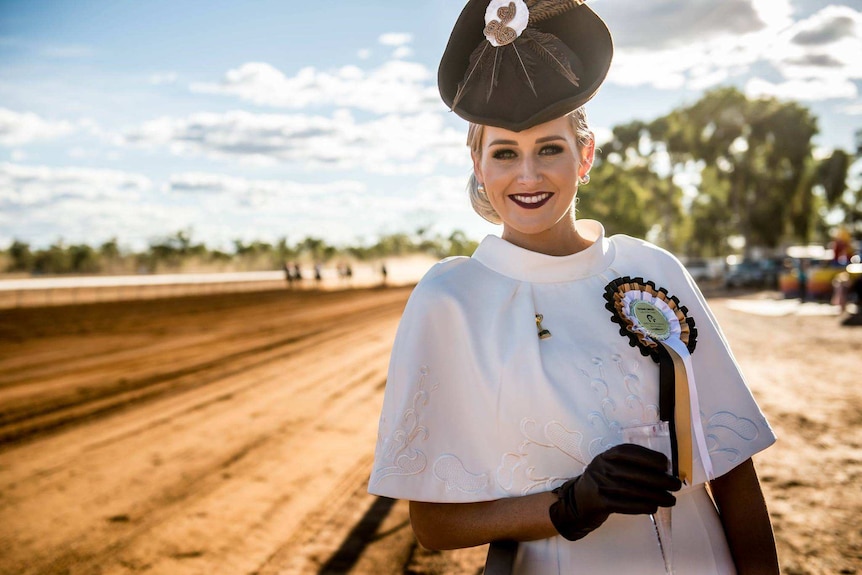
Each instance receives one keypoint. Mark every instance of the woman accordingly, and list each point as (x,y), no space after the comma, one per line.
(514,371)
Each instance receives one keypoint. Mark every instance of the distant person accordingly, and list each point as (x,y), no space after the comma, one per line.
(318,275)
(288,274)
(514,370)
(802,274)
(384,273)
(856,289)
(345,272)
(841,290)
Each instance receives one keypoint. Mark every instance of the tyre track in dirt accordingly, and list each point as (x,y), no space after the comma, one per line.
(213,478)
(82,389)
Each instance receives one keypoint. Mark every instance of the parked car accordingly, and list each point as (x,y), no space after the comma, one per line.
(761,273)
(818,278)
(699,270)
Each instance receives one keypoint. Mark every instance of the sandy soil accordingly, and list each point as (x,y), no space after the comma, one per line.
(233,434)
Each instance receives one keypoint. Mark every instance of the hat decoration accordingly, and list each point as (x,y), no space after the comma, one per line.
(657,324)
(510,27)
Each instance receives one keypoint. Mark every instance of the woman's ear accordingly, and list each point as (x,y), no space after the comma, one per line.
(477,170)
(588,155)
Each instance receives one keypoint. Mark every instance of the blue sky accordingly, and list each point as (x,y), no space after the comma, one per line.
(260,119)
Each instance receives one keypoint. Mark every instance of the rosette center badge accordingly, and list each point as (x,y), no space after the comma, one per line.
(650,319)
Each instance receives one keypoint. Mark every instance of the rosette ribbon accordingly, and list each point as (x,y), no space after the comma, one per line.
(658,325)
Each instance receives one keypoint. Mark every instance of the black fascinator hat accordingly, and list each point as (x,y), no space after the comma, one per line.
(515,64)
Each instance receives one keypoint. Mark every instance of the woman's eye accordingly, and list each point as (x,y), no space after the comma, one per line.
(550,150)
(504,154)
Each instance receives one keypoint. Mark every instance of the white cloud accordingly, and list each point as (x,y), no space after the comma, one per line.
(803,90)
(828,26)
(394,87)
(402,52)
(663,24)
(262,192)
(41,204)
(331,209)
(77,152)
(40,186)
(817,58)
(704,51)
(163,78)
(776,14)
(17,128)
(442,193)
(602,135)
(393,144)
(395,39)
(443,203)
(363,54)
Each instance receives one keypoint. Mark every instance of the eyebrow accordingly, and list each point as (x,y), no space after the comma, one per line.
(514,143)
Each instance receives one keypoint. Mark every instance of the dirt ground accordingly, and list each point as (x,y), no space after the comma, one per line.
(233,434)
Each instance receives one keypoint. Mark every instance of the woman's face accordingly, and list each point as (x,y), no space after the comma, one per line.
(531,177)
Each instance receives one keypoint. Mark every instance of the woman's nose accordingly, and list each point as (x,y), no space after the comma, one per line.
(530,173)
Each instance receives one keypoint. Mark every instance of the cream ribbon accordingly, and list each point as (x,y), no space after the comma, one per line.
(687,416)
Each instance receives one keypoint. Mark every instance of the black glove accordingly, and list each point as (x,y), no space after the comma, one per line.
(626,479)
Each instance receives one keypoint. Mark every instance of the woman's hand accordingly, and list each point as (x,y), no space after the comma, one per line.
(626,479)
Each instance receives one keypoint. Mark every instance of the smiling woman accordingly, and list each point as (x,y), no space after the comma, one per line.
(516,372)
(475,136)
(522,172)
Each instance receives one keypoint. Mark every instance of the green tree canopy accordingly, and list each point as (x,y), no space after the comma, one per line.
(759,152)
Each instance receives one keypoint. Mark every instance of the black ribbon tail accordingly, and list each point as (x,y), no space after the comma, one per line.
(667,401)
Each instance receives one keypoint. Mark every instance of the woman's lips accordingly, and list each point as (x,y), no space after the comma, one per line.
(531,201)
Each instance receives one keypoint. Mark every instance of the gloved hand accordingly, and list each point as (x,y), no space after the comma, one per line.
(626,479)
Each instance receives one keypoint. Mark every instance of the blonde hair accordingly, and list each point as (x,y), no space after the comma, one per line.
(479,200)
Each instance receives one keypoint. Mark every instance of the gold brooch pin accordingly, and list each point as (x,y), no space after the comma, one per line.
(543,333)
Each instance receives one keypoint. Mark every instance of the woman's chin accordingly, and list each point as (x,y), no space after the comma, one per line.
(523,228)
(531,225)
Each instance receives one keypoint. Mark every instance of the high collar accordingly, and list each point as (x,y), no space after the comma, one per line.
(524,265)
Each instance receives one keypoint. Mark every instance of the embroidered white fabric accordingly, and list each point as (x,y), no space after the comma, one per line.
(477,407)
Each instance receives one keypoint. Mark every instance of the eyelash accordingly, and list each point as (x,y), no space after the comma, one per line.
(507,154)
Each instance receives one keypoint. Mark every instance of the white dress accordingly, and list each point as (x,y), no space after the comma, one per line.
(478,408)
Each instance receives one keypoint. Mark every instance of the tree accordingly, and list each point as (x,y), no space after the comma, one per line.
(629,195)
(110,250)
(54,260)
(832,175)
(460,245)
(22,257)
(83,259)
(316,248)
(759,151)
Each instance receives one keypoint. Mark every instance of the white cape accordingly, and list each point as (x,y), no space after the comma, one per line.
(478,408)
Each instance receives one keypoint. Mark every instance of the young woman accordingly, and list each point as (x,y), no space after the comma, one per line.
(515,371)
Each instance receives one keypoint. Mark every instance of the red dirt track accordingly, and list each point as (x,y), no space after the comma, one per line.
(234,433)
